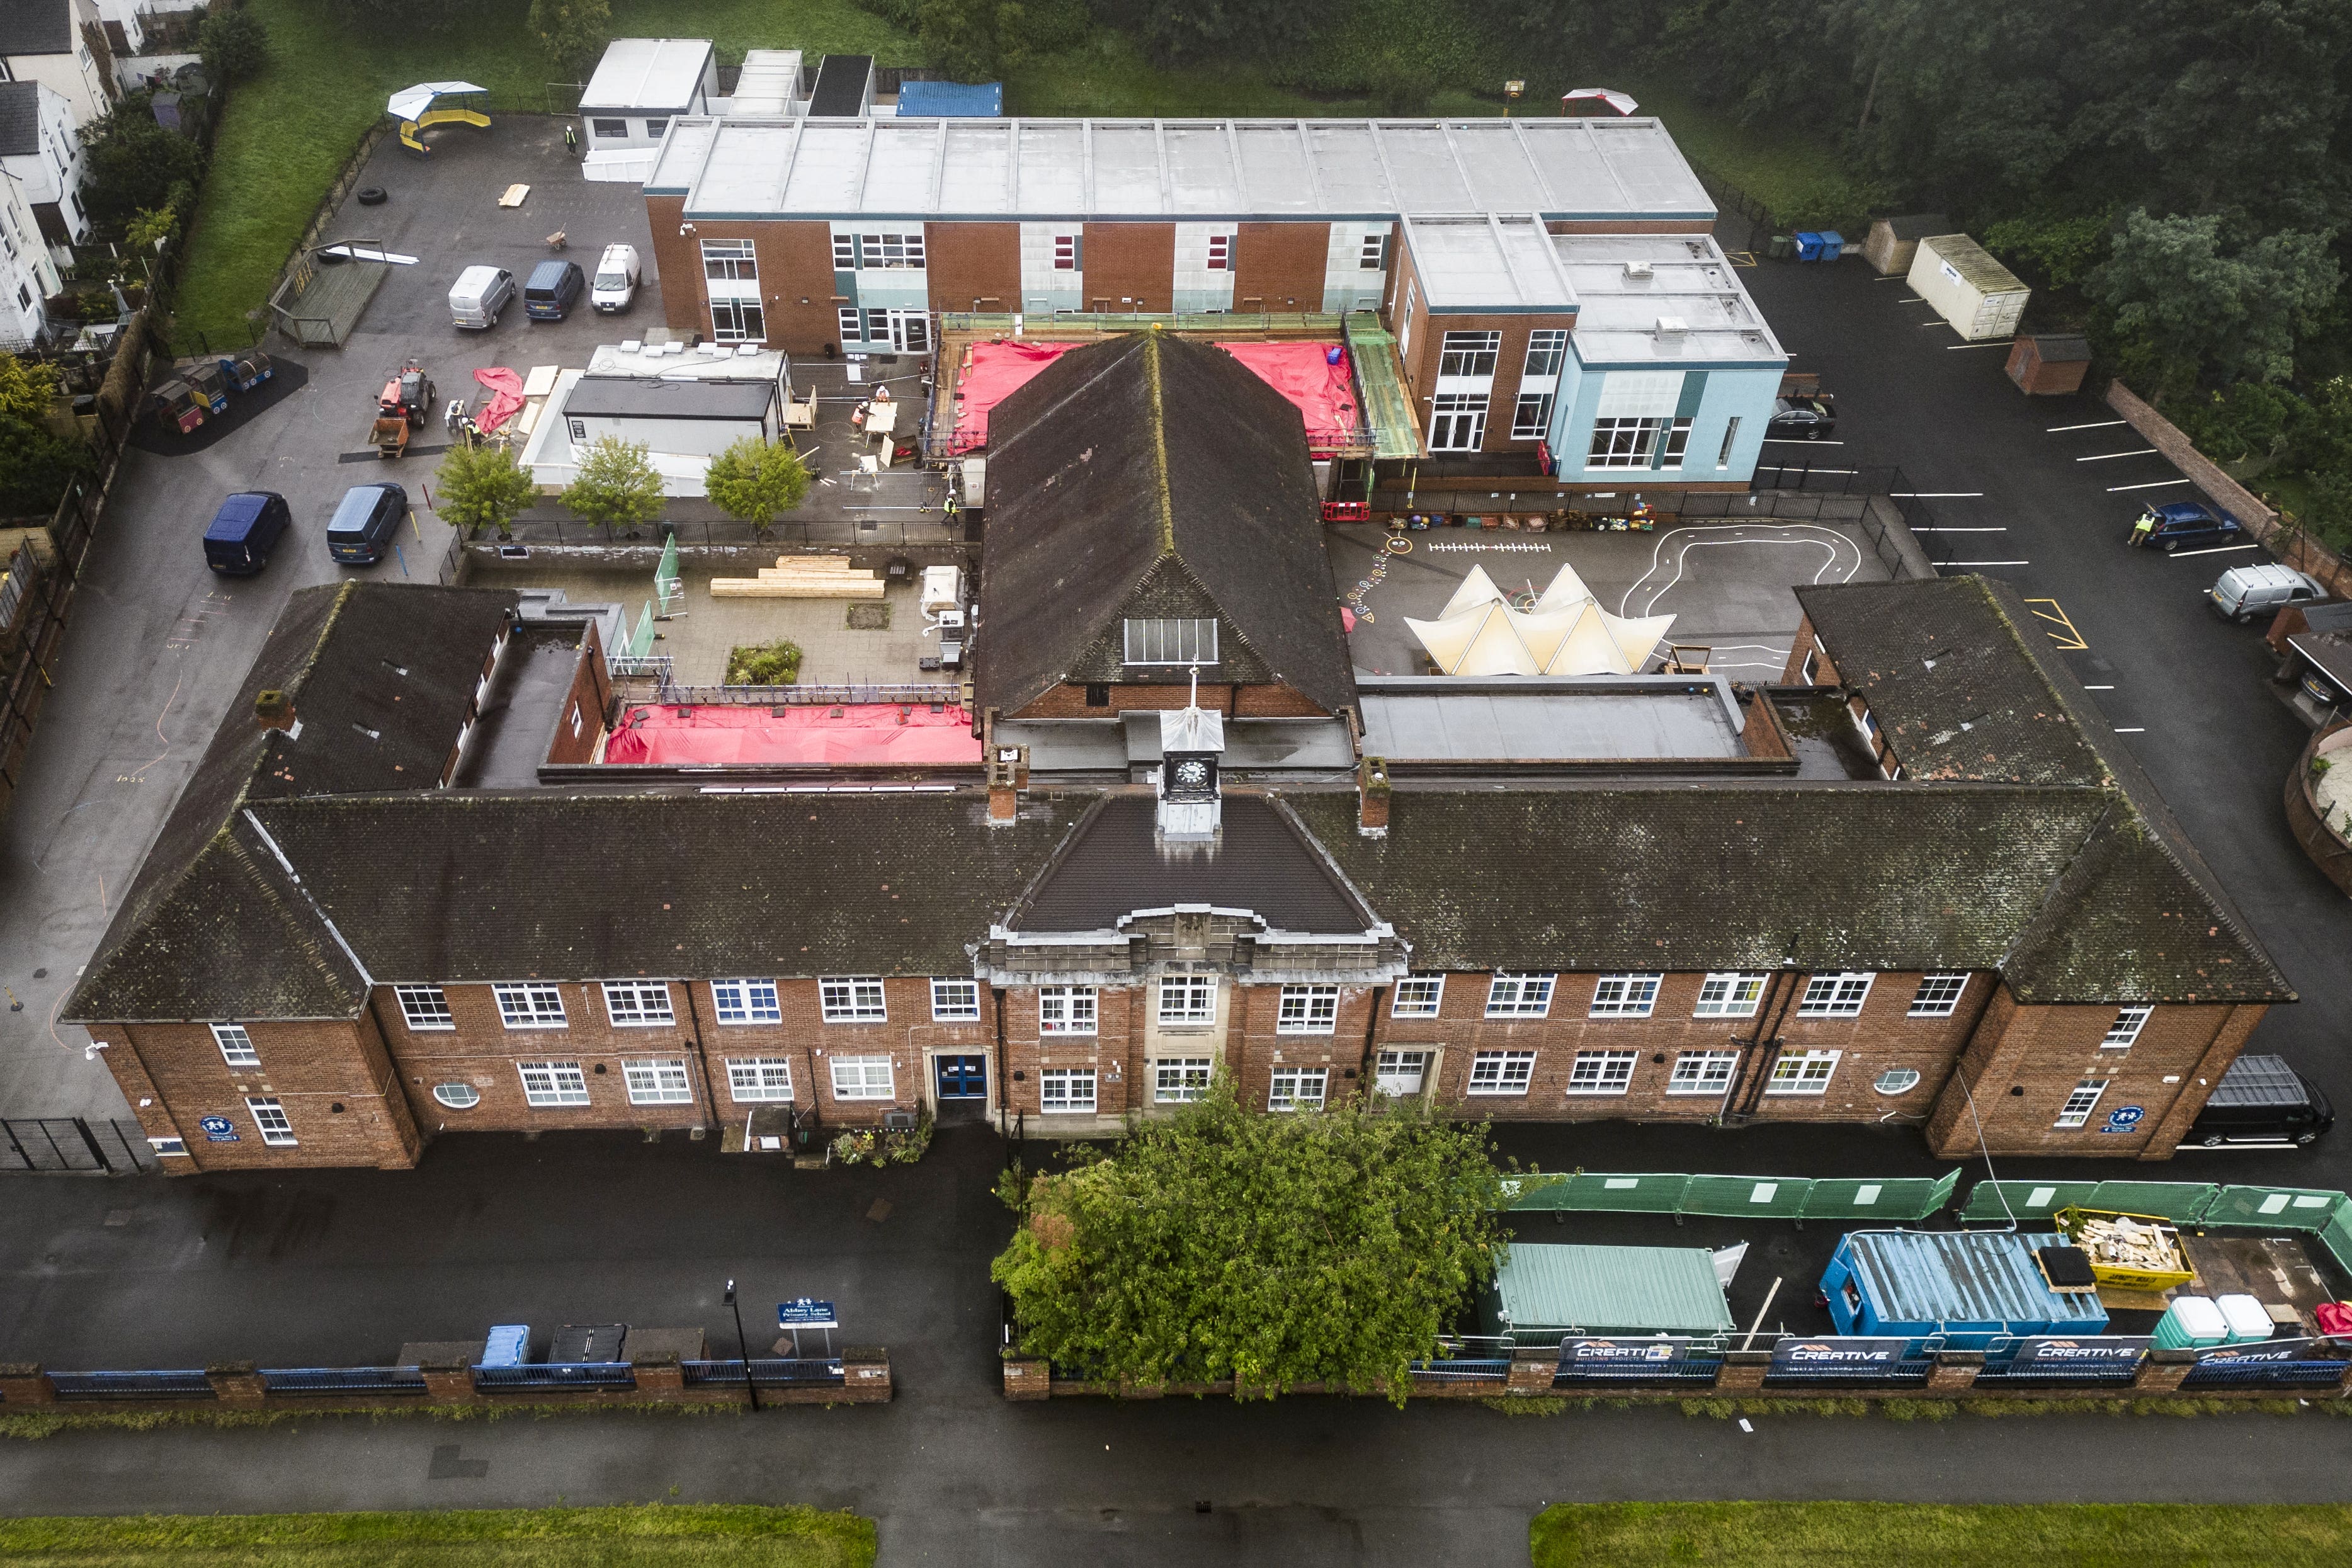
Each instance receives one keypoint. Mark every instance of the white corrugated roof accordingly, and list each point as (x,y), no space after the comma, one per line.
(1688,280)
(1489,261)
(647,73)
(1562,168)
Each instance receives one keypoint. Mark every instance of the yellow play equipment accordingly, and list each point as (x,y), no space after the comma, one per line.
(419,107)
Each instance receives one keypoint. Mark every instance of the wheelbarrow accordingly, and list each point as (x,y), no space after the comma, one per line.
(391,436)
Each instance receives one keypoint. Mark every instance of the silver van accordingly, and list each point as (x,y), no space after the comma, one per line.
(481,294)
(2244,592)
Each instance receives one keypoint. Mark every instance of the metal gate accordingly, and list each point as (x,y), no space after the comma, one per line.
(73,1143)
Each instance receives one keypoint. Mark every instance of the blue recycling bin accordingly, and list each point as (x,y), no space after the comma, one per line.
(1809,246)
(509,1344)
(1832,245)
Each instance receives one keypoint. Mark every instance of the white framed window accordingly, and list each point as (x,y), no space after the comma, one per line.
(1070,1090)
(1471,354)
(1641,443)
(1065,1009)
(269,1121)
(638,1003)
(1065,253)
(1298,1089)
(169,1145)
(760,1079)
(1897,1080)
(893,252)
(424,1007)
(955,1001)
(1729,995)
(1171,641)
(1701,1072)
(1937,995)
(853,324)
(1178,1081)
(236,1046)
(656,129)
(1519,995)
(552,1083)
(1601,1072)
(530,1005)
(1546,350)
(863,1078)
(1307,1010)
(458,1095)
(1731,434)
(1221,253)
(2125,1030)
(658,1080)
(851,999)
(1624,995)
(611,127)
(746,1002)
(1458,422)
(1374,254)
(2080,1100)
(1400,1074)
(1803,1072)
(738,320)
(1188,999)
(1531,416)
(1834,996)
(844,253)
(730,261)
(1418,996)
(1501,1072)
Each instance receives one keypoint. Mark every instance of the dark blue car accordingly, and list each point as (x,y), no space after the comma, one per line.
(2184,523)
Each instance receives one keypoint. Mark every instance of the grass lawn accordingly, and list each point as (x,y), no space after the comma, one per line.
(1891,1535)
(653,1537)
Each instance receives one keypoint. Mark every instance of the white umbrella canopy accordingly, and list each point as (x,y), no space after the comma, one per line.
(411,102)
(1497,649)
(1565,591)
(1566,633)
(1477,588)
(1638,637)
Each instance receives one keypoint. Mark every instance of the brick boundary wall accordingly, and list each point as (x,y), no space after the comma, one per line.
(2298,549)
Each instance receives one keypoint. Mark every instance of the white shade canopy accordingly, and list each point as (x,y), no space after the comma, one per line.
(1566,632)
(411,102)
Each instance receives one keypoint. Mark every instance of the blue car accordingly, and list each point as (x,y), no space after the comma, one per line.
(2182,523)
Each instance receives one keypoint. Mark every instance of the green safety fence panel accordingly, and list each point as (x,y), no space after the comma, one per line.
(641,641)
(2026,1200)
(1906,1197)
(2181,1202)
(2275,1208)
(666,586)
(2337,1235)
(1599,1192)
(1778,1197)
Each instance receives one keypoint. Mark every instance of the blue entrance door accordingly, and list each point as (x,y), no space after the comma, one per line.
(962,1078)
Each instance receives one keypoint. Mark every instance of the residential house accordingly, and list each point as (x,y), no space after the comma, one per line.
(61,45)
(42,157)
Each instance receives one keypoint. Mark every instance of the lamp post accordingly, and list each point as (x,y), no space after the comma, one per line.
(1511,90)
(742,1347)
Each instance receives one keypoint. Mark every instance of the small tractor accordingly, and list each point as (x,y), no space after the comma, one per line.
(407,396)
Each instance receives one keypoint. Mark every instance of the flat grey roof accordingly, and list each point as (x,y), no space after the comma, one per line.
(1627,283)
(1131,741)
(1563,168)
(1434,718)
(647,73)
(1481,263)
(617,396)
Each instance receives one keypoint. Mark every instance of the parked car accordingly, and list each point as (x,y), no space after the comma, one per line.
(1803,418)
(553,289)
(2261,1100)
(2243,592)
(245,530)
(362,528)
(2183,522)
(482,294)
(618,273)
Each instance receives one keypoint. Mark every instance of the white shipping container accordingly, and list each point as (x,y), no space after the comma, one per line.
(1979,297)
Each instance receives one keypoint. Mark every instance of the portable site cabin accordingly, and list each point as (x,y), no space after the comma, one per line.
(687,406)
(1968,1290)
(845,88)
(1549,1291)
(2051,365)
(1894,242)
(640,86)
(769,86)
(1979,297)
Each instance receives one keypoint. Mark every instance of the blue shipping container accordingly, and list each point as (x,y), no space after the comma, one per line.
(1971,1290)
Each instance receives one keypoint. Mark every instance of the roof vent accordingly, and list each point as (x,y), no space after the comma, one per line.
(1637,269)
(1672,326)
(274,709)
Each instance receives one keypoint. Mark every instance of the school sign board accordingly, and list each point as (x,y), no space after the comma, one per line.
(1838,1352)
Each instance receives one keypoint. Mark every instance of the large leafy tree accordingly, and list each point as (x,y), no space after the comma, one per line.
(1330,1248)
(616,484)
(135,165)
(2201,305)
(751,481)
(483,487)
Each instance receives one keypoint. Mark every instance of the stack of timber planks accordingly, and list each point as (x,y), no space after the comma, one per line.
(802,577)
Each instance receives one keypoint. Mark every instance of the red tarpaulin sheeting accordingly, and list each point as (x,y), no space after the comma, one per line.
(1301,372)
(506,398)
(869,733)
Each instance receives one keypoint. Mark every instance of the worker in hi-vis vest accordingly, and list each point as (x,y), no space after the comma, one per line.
(2144,527)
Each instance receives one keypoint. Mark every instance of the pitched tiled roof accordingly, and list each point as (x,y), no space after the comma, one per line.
(1147,461)
(1261,861)
(20,118)
(36,27)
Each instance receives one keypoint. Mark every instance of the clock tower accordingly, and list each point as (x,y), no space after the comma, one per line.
(1191,743)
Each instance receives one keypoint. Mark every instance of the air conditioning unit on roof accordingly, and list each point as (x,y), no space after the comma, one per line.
(1672,326)
(1637,269)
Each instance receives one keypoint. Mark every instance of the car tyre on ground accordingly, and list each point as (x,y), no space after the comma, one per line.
(373,195)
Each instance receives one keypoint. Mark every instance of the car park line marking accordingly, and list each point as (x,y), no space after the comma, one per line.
(1913,300)
(1798,441)
(1937,495)
(2121,731)
(1960,530)
(2151,485)
(2093,425)
(2098,688)
(2056,615)
(2215,550)
(2103,457)
(1827,539)
(1988,563)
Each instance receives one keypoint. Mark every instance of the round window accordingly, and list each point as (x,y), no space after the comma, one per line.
(464,1096)
(1897,1080)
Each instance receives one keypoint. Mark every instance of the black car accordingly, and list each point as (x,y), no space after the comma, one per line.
(2262,1101)
(1803,418)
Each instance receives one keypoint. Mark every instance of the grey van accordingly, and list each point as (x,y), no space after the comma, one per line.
(2243,592)
(482,293)
(360,533)
(555,288)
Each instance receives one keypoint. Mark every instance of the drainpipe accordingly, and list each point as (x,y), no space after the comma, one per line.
(1372,1042)
(1746,1087)
(1004,1084)
(703,1059)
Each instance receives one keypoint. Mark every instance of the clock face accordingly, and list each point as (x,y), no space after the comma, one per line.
(1192,773)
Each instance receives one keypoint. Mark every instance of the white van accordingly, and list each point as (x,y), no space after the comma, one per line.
(2243,592)
(481,294)
(616,279)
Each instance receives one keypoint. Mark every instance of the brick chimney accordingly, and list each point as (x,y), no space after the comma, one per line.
(1372,798)
(274,709)
(1008,771)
